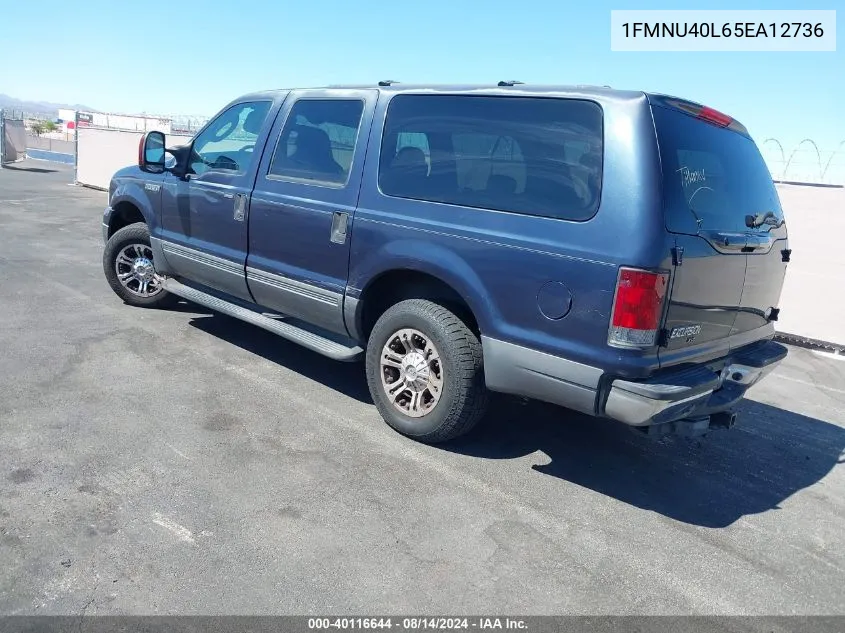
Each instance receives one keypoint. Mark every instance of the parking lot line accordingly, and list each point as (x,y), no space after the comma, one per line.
(808,383)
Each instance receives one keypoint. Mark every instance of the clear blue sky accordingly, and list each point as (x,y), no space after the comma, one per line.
(192,57)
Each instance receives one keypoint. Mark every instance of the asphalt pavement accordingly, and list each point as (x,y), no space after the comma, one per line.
(182,462)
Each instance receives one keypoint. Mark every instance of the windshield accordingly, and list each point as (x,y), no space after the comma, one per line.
(712,177)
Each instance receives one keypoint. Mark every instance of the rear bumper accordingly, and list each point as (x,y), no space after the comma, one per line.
(690,393)
(695,391)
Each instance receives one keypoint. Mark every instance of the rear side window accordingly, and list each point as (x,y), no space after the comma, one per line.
(712,177)
(318,141)
(535,156)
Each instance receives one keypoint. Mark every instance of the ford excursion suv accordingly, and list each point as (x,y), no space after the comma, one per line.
(618,253)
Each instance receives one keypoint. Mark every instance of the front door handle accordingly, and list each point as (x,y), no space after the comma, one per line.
(340,221)
(240,207)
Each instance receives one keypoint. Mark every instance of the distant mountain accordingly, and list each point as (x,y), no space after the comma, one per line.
(38,107)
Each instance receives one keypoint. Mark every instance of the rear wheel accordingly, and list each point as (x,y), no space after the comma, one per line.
(130,270)
(424,370)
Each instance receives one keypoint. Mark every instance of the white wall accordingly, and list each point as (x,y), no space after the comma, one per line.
(102,152)
(813,296)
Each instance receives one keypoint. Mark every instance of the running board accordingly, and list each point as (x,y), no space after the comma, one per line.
(311,340)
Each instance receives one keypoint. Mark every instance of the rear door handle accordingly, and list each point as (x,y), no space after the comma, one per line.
(726,242)
(758,243)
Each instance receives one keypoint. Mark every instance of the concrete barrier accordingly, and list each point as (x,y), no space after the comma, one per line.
(100,152)
(814,292)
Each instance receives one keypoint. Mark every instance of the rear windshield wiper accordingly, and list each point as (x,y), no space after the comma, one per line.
(755,221)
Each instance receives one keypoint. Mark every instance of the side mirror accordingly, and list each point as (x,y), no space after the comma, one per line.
(151,152)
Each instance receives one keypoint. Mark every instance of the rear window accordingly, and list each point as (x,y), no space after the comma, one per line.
(535,156)
(712,177)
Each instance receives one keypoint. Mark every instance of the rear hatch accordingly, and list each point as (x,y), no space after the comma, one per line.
(730,241)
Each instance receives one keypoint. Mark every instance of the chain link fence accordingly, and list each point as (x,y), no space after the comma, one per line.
(169,124)
(63,145)
(11,113)
(187,124)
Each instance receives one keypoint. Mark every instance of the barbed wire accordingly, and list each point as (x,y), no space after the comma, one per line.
(805,162)
(187,123)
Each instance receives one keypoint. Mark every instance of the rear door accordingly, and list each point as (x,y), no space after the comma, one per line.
(722,210)
(303,204)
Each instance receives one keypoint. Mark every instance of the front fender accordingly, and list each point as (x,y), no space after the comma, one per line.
(138,194)
(425,257)
(144,195)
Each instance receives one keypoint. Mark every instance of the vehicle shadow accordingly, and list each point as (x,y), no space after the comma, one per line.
(35,170)
(347,378)
(188,307)
(711,481)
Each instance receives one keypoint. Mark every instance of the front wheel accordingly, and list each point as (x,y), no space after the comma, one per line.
(129,268)
(425,372)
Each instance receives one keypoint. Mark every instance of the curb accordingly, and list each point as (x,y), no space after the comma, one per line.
(809,343)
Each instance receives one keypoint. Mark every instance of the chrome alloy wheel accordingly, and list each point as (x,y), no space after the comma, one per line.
(135,271)
(411,372)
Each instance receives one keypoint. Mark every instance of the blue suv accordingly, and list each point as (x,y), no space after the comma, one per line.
(618,253)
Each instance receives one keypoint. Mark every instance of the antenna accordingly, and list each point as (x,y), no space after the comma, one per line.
(512,82)
(387,82)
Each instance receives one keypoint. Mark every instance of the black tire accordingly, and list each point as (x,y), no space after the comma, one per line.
(137,233)
(464,396)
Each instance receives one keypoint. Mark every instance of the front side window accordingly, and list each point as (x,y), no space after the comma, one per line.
(317,142)
(228,142)
(536,156)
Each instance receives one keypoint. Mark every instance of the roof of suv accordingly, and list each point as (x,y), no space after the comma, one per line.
(503,87)
(605,93)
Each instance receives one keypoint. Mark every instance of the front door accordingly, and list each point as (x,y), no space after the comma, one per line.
(302,207)
(204,226)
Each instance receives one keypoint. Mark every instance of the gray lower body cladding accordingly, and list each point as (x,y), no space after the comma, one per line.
(700,391)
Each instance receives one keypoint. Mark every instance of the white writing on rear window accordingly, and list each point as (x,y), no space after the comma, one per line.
(690,176)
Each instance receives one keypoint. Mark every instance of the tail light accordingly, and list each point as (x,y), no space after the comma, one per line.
(704,113)
(637,308)
(714,116)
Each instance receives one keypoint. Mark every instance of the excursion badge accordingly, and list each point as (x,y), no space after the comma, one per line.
(688,332)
